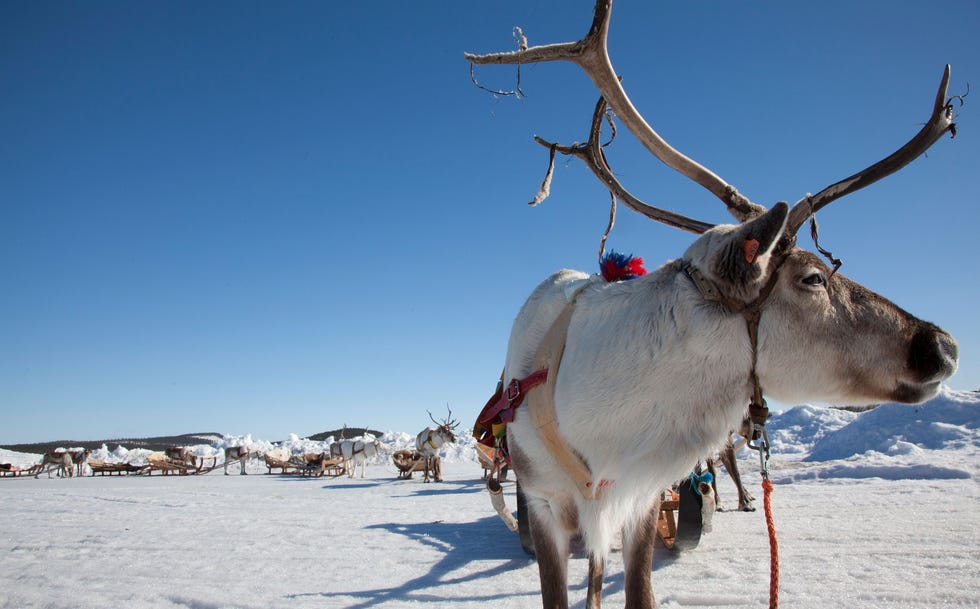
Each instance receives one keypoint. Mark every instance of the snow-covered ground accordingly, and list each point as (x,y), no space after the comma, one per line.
(875,510)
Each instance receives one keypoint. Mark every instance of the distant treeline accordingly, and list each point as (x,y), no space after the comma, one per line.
(344,434)
(155,444)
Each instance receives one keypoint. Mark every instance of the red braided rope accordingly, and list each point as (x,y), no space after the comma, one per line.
(773,545)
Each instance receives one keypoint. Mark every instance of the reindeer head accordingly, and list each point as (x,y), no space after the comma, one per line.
(754,269)
(446,427)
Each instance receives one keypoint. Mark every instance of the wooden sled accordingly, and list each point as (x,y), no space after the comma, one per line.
(107,469)
(280,459)
(318,465)
(167,467)
(666,522)
(679,522)
(9,470)
(410,461)
(484,454)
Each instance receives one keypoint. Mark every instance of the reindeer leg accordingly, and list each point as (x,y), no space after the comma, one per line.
(638,543)
(714,478)
(551,552)
(523,521)
(594,595)
(745,498)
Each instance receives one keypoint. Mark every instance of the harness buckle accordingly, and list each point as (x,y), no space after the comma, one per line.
(513,390)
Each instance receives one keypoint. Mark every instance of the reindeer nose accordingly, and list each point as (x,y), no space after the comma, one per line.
(933,354)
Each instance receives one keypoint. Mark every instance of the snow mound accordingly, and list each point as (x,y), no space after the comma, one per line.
(794,431)
(949,421)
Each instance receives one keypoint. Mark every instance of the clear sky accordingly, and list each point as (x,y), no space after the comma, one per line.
(281,217)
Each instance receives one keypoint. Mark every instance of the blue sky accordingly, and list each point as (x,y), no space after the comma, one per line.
(273,218)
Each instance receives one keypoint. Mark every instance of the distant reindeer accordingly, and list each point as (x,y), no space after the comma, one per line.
(80,457)
(60,460)
(336,451)
(358,451)
(430,441)
(236,453)
(640,379)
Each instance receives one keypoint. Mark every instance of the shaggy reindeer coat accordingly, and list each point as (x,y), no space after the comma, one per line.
(654,376)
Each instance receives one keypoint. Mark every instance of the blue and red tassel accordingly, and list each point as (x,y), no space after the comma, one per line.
(620,267)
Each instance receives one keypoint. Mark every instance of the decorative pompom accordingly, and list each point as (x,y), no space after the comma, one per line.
(619,267)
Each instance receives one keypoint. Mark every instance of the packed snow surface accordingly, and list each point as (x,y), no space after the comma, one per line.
(877,510)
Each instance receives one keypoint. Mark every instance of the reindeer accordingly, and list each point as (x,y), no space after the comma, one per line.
(626,385)
(236,453)
(358,451)
(60,460)
(430,441)
(80,457)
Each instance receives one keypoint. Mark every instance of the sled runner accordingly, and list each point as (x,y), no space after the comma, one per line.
(685,513)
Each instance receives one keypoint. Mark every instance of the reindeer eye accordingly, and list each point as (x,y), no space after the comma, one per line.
(814,279)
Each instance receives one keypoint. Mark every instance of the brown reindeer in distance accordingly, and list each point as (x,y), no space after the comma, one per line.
(79,457)
(57,460)
(638,380)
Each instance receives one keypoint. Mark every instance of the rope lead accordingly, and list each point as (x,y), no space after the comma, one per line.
(760,442)
(773,544)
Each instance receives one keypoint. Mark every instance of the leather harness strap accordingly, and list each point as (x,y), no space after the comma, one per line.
(541,407)
(503,404)
(751,312)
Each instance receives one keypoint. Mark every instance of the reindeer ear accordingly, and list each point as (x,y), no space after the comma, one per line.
(746,254)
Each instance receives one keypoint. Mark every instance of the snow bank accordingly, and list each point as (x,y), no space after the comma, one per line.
(892,441)
(951,420)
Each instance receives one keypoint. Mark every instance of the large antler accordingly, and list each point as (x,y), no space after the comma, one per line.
(939,123)
(448,422)
(592,55)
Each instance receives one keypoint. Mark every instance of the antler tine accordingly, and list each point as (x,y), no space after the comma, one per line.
(450,422)
(594,158)
(592,55)
(939,123)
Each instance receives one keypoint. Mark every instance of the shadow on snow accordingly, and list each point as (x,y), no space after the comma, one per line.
(461,545)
